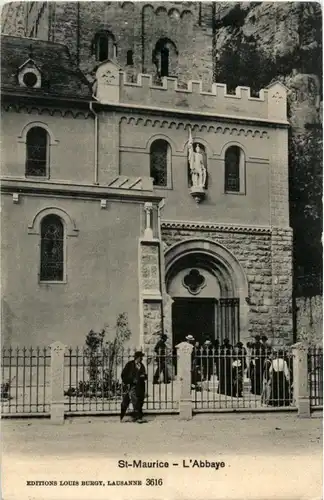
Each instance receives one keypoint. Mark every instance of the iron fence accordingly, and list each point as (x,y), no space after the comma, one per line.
(25,381)
(234,379)
(315,376)
(93,382)
(240,379)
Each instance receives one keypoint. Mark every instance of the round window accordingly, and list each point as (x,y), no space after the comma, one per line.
(30,79)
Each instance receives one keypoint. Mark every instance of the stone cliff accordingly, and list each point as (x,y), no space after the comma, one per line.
(256,43)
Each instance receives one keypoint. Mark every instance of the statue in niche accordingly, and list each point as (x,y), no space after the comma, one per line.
(197,169)
(196,160)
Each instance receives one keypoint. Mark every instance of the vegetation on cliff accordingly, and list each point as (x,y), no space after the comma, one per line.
(252,52)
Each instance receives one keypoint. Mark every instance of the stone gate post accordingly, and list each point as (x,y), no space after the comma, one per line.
(184,350)
(57,383)
(300,382)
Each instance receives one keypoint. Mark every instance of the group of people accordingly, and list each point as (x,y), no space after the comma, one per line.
(270,372)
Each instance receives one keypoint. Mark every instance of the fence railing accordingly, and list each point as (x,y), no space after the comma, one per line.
(59,381)
(25,378)
(233,379)
(93,382)
(315,376)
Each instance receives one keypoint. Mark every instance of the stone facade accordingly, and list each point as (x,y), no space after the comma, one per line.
(253,251)
(100,159)
(281,248)
(152,314)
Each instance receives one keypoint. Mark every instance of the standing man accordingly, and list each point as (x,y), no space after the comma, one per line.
(161,357)
(133,377)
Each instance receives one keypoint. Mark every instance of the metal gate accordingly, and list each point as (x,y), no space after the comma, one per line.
(228,320)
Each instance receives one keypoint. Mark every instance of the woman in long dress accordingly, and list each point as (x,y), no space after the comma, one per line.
(266,377)
(279,381)
(238,368)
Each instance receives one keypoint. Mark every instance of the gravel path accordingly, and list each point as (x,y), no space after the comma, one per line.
(265,456)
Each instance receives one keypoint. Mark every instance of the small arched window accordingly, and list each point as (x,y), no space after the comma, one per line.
(130,58)
(36,152)
(160,163)
(165,57)
(104,46)
(52,249)
(234,170)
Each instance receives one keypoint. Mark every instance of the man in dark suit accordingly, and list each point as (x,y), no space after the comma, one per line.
(161,358)
(133,377)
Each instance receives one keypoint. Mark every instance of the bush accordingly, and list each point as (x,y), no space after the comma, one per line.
(102,356)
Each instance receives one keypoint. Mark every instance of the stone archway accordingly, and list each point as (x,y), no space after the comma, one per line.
(204,278)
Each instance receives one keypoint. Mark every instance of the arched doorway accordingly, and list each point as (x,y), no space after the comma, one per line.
(208,288)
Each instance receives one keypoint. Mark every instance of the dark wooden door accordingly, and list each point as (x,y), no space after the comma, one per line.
(193,316)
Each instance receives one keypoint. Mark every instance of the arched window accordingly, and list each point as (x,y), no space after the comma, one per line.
(234,169)
(130,58)
(52,249)
(36,152)
(165,57)
(160,162)
(104,46)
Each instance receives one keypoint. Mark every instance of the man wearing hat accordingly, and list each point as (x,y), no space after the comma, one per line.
(190,339)
(133,377)
(161,358)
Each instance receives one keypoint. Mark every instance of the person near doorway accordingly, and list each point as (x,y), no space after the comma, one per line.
(266,387)
(190,339)
(195,362)
(207,359)
(175,360)
(279,381)
(225,385)
(264,342)
(133,377)
(256,366)
(238,368)
(161,358)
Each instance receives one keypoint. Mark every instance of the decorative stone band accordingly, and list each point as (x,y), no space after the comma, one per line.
(212,226)
(70,109)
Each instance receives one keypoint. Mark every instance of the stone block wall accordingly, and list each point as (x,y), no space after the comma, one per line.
(135,26)
(152,312)
(259,256)
(150,292)
(281,250)
(150,268)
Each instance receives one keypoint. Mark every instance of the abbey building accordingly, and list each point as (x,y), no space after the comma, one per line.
(132,182)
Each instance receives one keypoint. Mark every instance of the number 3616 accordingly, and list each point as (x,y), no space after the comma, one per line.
(154,482)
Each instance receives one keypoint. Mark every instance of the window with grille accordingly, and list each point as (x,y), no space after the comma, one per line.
(36,152)
(104,46)
(233,159)
(159,158)
(52,249)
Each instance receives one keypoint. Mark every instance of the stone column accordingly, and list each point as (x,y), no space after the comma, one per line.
(148,233)
(57,383)
(184,350)
(300,383)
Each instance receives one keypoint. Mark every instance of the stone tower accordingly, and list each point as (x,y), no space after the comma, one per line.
(173,39)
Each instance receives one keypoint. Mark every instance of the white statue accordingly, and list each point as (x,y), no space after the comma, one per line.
(197,165)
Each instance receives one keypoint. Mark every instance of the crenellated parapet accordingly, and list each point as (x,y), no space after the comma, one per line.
(112,87)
